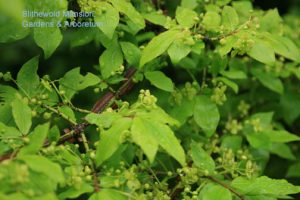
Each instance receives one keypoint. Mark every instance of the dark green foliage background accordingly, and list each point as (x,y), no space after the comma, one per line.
(14,54)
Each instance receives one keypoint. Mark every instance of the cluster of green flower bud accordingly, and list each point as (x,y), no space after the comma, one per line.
(52,149)
(244,44)
(13,143)
(158,195)
(132,182)
(88,5)
(189,175)
(190,90)
(14,174)
(243,108)
(6,77)
(237,163)
(188,194)
(251,169)
(243,154)
(77,175)
(219,96)
(169,23)
(256,124)
(176,97)
(120,70)
(186,37)
(38,100)
(229,161)
(233,126)
(45,83)
(21,174)
(147,99)
(102,86)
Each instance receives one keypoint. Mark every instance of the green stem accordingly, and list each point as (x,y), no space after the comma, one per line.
(60,114)
(85,142)
(242,197)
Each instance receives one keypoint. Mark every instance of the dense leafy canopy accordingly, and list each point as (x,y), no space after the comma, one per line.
(221,119)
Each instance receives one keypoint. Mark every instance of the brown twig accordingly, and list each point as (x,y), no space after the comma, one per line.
(101,104)
(71,133)
(96,182)
(177,190)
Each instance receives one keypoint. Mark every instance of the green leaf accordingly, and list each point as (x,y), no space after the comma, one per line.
(223,2)
(49,196)
(191,4)
(111,140)
(157,114)
(260,197)
(282,150)
(177,51)
(167,140)
(186,17)
(48,39)
(230,18)
(44,165)
(83,36)
(281,136)
(283,46)
(109,19)
(184,110)
(7,94)
(159,80)
(229,43)
(110,60)
(229,83)
(233,142)
(104,119)
(73,193)
(158,45)
(243,8)
(262,52)
(198,47)
(67,111)
(234,74)
(108,194)
(37,139)
(218,63)
(7,131)
(271,22)
(156,18)
(132,53)
(206,115)
(71,87)
(6,113)
(265,119)
(211,21)
(264,186)
(27,78)
(201,158)
(294,170)
(16,196)
(22,114)
(54,134)
(142,135)
(258,141)
(11,20)
(213,191)
(127,8)
(290,105)
(269,80)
